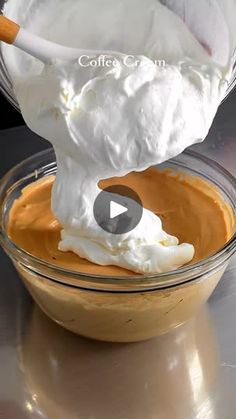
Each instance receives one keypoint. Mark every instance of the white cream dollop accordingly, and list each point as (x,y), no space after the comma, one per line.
(106,121)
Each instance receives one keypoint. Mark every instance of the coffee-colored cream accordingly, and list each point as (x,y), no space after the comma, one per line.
(190,208)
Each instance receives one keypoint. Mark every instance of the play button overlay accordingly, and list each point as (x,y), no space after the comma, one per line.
(118,209)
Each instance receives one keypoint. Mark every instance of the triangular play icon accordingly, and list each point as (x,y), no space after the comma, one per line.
(116,209)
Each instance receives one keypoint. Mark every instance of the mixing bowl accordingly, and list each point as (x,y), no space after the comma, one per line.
(118,309)
(22,12)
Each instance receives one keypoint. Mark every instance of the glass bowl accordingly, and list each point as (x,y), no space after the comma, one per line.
(117,309)
(21,11)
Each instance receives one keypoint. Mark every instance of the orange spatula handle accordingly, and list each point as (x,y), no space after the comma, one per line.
(8,30)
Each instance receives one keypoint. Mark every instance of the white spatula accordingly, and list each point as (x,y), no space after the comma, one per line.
(45,51)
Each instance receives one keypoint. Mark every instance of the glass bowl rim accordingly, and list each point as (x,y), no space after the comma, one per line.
(194,270)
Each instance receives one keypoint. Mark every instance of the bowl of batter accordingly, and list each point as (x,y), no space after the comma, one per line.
(195,199)
(146,84)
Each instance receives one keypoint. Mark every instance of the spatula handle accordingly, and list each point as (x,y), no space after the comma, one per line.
(8,30)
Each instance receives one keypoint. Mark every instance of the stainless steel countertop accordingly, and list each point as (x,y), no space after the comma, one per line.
(47,372)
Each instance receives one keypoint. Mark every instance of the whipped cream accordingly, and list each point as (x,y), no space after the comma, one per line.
(106,121)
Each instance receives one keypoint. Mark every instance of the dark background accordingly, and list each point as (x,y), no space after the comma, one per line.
(9,117)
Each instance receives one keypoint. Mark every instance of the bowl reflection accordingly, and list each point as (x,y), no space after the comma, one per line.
(167,377)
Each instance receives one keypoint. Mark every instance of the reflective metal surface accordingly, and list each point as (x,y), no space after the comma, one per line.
(47,372)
